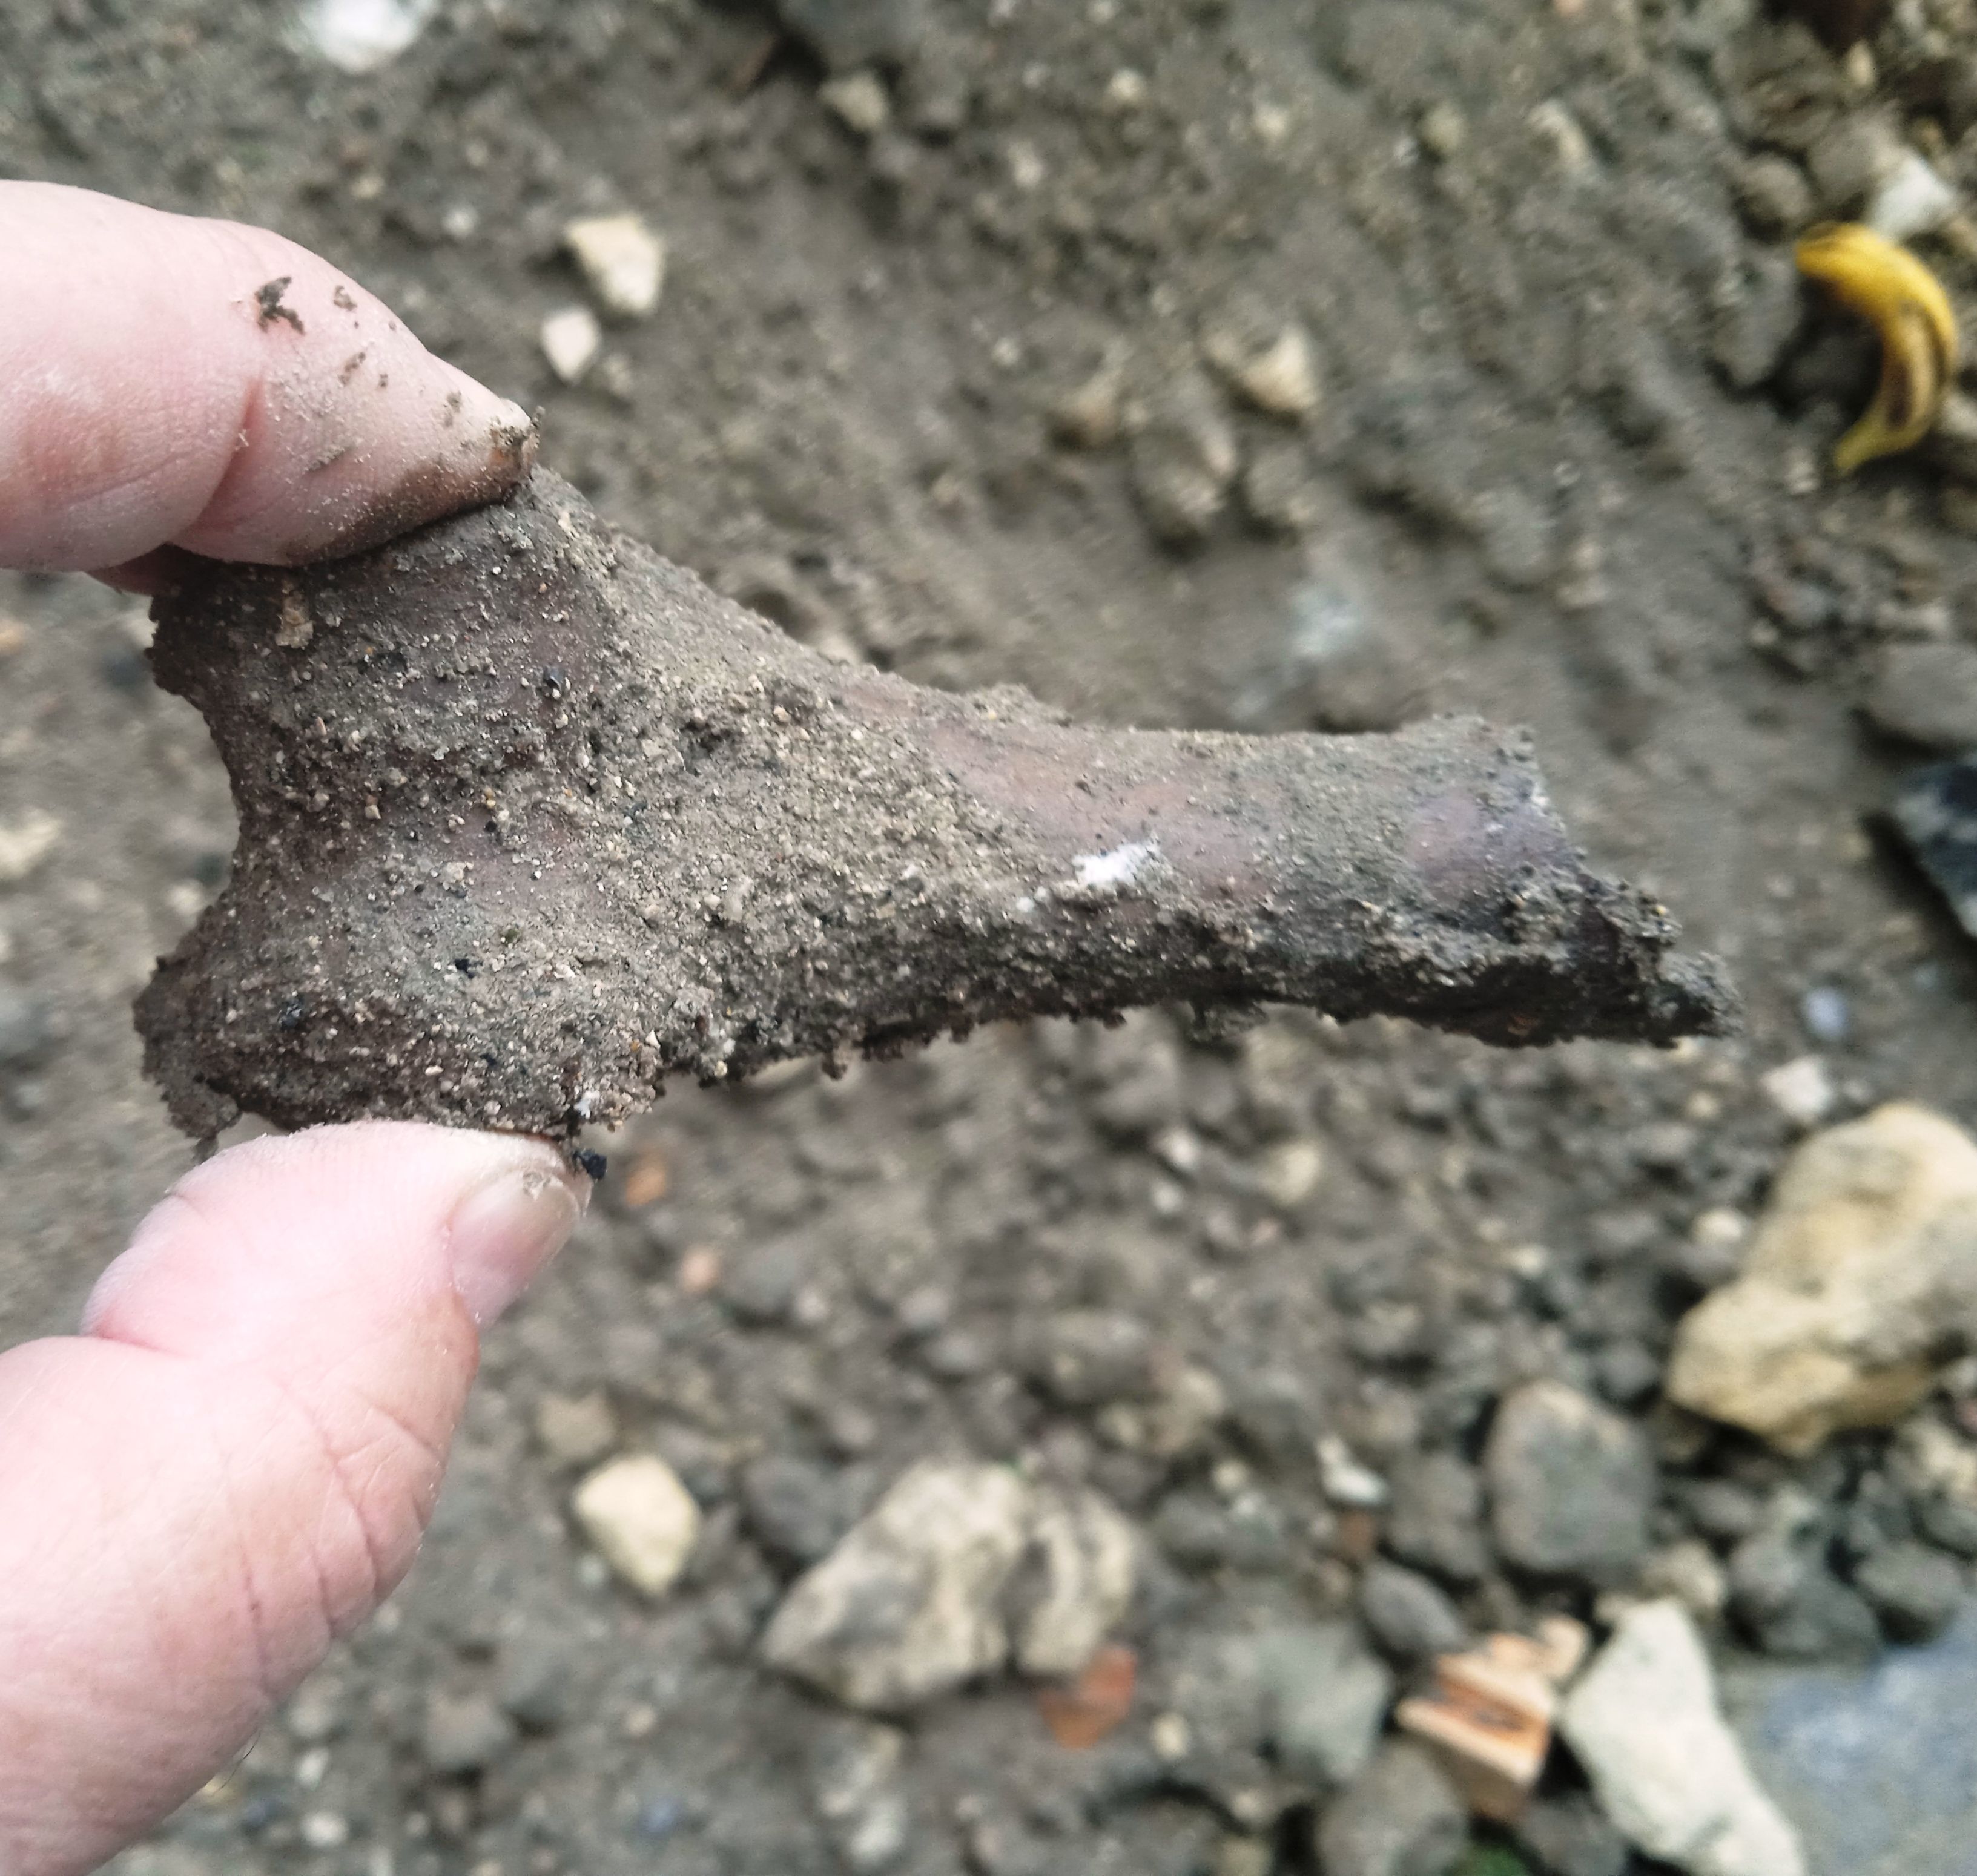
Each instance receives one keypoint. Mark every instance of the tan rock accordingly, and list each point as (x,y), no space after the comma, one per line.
(1279,376)
(859,101)
(1860,1282)
(623,260)
(909,1605)
(642,1521)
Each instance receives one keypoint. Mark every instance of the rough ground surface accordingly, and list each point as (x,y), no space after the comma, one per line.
(532,819)
(1566,471)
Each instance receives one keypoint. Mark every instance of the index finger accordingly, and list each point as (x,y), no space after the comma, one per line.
(169,381)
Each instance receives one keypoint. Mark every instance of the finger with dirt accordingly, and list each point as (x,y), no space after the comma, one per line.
(169,381)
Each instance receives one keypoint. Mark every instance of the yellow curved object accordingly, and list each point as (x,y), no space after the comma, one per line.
(1905,303)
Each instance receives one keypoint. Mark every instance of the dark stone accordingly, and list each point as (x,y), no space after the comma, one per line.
(27,1030)
(1276,1412)
(1400,1817)
(1915,1591)
(1627,1372)
(1435,1518)
(1937,813)
(1723,1510)
(796,1511)
(1571,1483)
(1409,1617)
(848,33)
(1792,1605)
(1200,1533)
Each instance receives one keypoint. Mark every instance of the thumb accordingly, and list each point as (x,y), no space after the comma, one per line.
(234,1464)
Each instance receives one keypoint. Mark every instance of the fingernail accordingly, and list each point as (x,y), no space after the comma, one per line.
(506,1231)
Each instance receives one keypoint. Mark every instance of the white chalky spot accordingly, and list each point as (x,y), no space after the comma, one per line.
(359,36)
(1120,868)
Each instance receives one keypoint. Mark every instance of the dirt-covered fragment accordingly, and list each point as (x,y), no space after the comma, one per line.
(531,819)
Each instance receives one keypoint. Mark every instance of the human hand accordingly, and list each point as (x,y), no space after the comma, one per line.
(234,1463)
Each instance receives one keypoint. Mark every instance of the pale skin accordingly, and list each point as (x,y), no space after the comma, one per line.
(233,1463)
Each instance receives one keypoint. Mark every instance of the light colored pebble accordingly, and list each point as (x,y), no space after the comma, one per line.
(859,101)
(622,259)
(24,844)
(571,341)
(642,1521)
(1802,1090)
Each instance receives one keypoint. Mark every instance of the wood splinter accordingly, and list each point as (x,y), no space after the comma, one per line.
(530,819)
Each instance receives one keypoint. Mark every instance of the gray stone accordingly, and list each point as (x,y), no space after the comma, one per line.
(1084,1554)
(1399,1818)
(1571,1836)
(1644,1722)
(534,1686)
(1925,692)
(1200,1532)
(27,1030)
(1409,1617)
(463,1733)
(1914,1589)
(1571,1483)
(795,1509)
(1436,1519)
(1327,1697)
(1757,319)
(1791,1605)
(1086,1357)
(1723,1510)
(1949,1524)
(1875,1764)
(909,1606)
(761,1286)
(1774,196)
(1849,163)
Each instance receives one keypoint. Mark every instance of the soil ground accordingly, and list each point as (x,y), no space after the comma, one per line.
(1567,472)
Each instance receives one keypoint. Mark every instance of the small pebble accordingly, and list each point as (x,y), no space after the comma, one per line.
(859,102)
(623,260)
(325,1830)
(642,1521)
(1912,200)
(1826,1015)
(26,843)
(359,36)
(658,1817)
(1802,1090)
(1443,130)
(571,341)
(576,1433)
